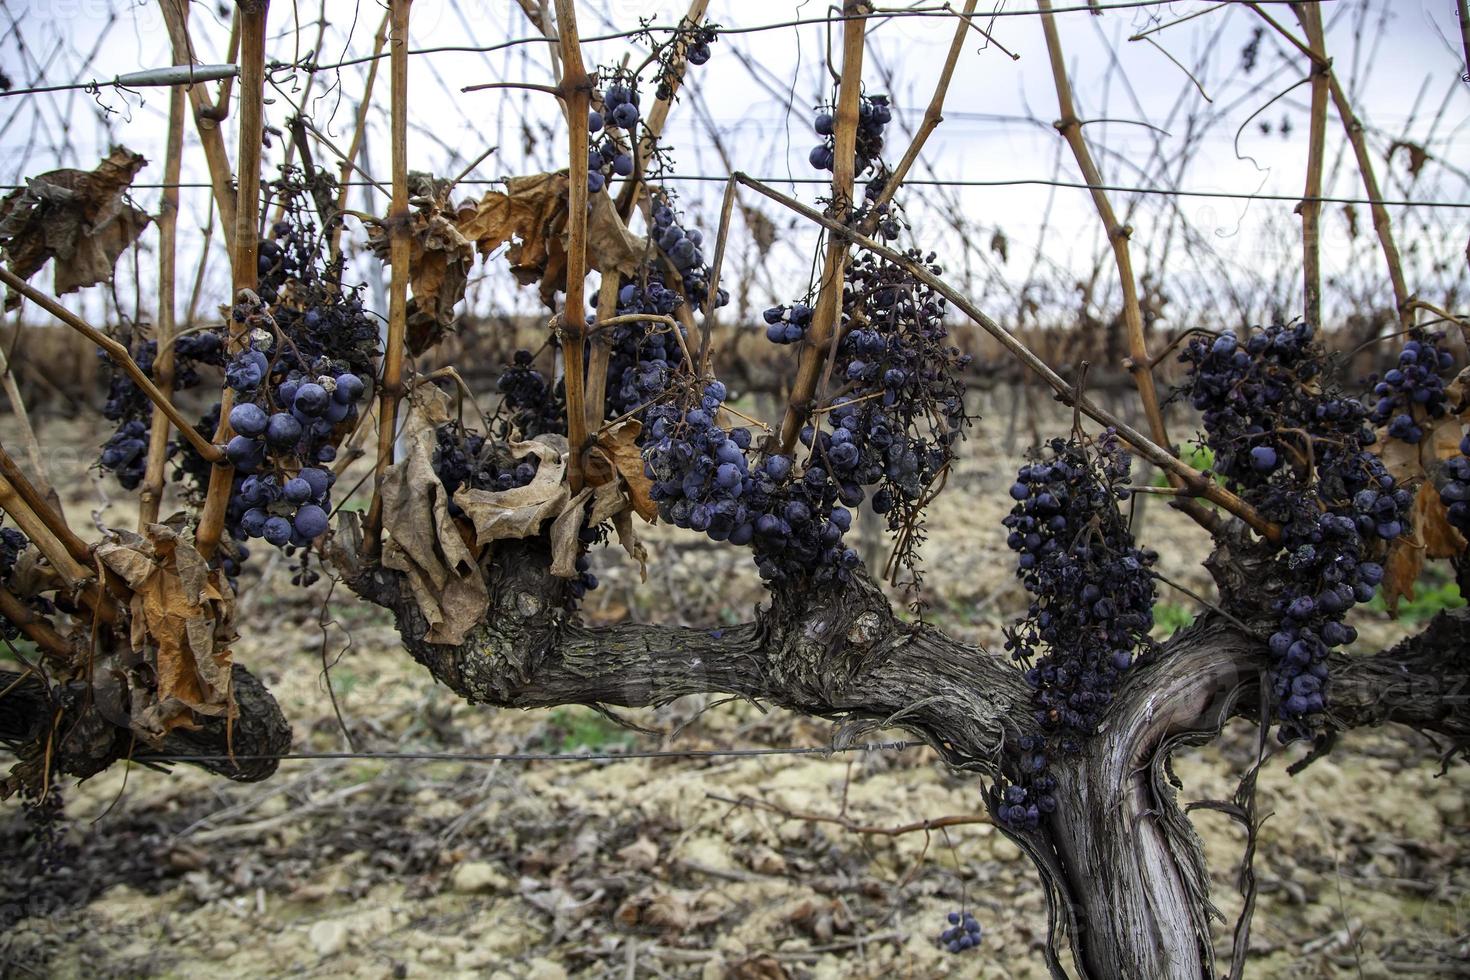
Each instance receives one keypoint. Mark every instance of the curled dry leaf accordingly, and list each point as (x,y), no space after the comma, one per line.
(1430,535)
(615,455)
(421,539)
(439,266)
(606,502)
(181,621)
(520,512)
(531,214)
(81,218)
(1409,463)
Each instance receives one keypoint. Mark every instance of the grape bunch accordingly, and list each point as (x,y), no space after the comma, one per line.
(901,397)
(621,105)
(125,454)
(874,113)
(891,422)
(1092,595)
(309,305)
(1416,385)
(607,157)
(1295,448)
(530,405)
(644,355)
(464,458)
(787,324)
(703,480)
(963,933)
(1328,573)
(695,41)
(1456,489)
(12,543)
(682,246)
(282,491)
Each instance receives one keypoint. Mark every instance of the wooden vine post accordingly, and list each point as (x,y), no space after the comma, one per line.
(245,249)
(206,118)
(1315,48)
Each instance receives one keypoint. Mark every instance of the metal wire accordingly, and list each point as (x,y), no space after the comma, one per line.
(542,756)
(937,182)
(877,14)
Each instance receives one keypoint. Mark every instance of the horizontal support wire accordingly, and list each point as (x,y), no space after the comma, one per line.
(879,14)
(825,750)
(938,182)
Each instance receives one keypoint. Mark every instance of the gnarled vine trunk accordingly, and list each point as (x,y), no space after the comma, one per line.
(1123,866)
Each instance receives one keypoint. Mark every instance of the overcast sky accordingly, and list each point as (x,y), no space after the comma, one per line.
(758,92)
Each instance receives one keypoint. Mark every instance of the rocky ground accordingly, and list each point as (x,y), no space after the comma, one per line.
(683,867)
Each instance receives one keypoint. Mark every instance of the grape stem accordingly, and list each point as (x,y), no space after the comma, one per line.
(244,255)
(399,244)
(827,314)
(706,322)
(576,92)
(600,353)
(1139,364)
(653,126)
(151,497)
(1205,602)
(850,825)
(619,320)
(933,116)
(1195,481)
(528,86)
(37,525)
(120,356)
(36,628)
(348,163)
(1316,52)
(206,117)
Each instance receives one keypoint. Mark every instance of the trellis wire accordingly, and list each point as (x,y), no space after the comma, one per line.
(879,13)
(827,750)
(939,182)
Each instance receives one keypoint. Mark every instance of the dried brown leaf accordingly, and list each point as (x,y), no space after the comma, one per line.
(422,540)
(1418,155)
(182,620)
(617,454)
(439,266)
(520,512)
(1430,535)
(80,218)
(590,507)
(611,247)
(1432,525)
(628,538)
(532,214)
